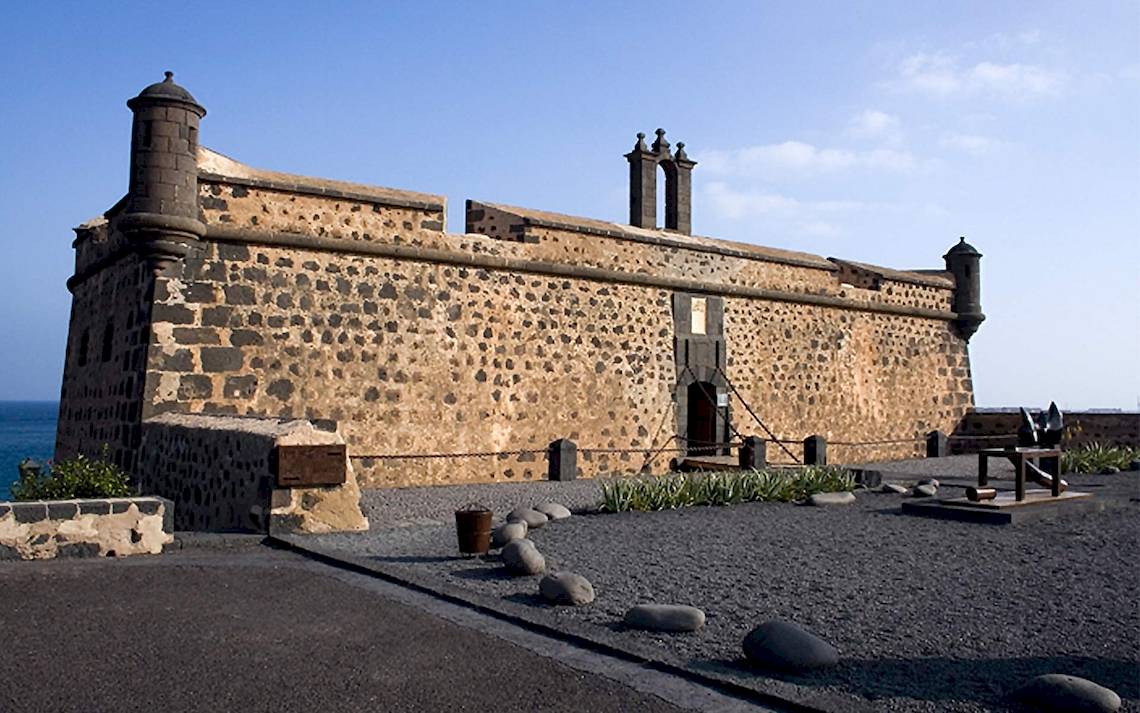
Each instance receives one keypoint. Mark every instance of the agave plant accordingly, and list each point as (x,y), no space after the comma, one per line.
(678,490)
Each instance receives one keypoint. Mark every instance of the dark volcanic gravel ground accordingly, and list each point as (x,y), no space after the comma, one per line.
(928,615)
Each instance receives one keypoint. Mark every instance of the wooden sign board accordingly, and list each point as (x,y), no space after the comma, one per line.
(310,466)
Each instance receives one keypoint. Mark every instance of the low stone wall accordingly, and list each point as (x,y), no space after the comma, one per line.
(113,527)
(980,427)
(220,472)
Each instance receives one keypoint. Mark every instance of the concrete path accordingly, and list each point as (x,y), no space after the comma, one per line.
(255,629)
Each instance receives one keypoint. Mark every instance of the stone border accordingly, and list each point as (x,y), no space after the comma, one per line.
(45,529)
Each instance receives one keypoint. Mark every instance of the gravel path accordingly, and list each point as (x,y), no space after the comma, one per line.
(928,615)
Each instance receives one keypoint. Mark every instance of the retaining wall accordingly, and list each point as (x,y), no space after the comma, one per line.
(110,527)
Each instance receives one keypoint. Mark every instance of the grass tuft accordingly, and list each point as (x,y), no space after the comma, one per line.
(1094,457)
(678,490)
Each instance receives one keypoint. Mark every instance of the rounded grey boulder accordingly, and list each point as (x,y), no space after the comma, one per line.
(665,617)
(926,490)
(1060,692)
(533,518)
(508,532)
(893,488)
(553,511)
(566,588)
(928,481)
(825,499)
(521,557)
(789,647)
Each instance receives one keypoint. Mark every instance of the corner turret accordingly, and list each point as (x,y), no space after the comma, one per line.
(161,216)
(963,261)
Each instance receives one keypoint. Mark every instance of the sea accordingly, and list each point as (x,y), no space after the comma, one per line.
(27,430)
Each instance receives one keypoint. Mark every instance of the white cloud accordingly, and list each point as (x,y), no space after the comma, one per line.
(942,75)
(797,157)
(873,124)
(734,205)
(970,143)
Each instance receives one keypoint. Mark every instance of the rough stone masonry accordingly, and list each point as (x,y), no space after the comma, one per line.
(214,289)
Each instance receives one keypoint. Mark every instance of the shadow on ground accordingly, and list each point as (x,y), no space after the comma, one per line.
(987,681)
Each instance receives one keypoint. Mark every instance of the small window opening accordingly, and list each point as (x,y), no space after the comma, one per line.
(699,312)
(147,128)
(193,138)
(83,340)
(108,340)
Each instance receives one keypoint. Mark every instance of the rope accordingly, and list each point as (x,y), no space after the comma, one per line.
(756,418)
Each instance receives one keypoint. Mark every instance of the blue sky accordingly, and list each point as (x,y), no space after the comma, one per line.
(877,131)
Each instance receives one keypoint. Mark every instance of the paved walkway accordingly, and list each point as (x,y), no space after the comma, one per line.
(261,630)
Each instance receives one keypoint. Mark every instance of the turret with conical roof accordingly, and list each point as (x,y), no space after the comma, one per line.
(162,210)
(964,262)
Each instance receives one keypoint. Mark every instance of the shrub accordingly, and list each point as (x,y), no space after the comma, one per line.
(678,490)
(78,477)
(1093,457)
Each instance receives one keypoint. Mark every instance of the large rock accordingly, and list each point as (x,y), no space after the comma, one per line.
(789,647)
(929,481)
(893,489)
(533,518)
(824,499)
(566,588)
(553,511)
(521,557)
(508,532)
(1056,692)
(665,617)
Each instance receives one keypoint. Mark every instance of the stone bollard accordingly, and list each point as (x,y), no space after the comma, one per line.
(815,450)
(753,453)
(937,445)
(562,460)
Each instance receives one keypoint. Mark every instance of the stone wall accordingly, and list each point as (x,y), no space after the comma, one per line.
(220,471)
(112,527)
(105,362)
(418,341)
(323,301)
(978,428)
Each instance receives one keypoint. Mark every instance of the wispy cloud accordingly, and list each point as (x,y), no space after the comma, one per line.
(970,143)
(944,75)
(799,158)
(874,124)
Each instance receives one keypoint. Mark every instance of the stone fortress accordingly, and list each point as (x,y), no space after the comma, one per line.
(221,311)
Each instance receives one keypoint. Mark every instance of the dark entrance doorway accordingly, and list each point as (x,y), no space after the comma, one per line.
(702,419)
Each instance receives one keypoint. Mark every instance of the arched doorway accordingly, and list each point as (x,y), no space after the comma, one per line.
(701,419)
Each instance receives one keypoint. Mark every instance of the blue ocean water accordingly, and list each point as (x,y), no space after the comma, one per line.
(27,430)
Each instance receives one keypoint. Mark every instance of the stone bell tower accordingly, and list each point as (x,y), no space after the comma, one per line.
(161,218)
(643,162)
